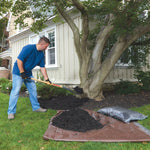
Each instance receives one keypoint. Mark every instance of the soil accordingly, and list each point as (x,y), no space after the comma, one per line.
(111,99)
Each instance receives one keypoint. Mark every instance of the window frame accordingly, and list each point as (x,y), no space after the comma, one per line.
(46,60)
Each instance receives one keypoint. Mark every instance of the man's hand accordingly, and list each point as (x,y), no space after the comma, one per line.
(23,75)
(48,81)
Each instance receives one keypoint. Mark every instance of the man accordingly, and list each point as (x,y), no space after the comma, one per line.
(30,56)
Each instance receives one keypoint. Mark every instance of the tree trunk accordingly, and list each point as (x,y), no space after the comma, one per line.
(92,83)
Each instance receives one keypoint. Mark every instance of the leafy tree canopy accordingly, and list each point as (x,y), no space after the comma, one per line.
(3,24)
(126,15)
(5,6)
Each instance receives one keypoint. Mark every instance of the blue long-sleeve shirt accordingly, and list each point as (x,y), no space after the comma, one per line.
(31,58)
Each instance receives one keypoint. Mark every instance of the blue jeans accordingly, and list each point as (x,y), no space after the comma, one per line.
(14,95)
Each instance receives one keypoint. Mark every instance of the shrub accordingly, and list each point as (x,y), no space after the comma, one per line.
(126,87)
(144,79)
(47,91)
(23,88)
(5,85)
(3,80)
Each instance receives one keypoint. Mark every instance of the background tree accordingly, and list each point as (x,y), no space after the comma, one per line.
(5,5)
(4,10)
(109,27)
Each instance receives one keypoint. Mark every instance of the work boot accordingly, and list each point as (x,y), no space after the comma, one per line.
(41,110)
(11,116)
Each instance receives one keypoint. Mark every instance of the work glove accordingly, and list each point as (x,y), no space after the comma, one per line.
(23,75)
(48,81)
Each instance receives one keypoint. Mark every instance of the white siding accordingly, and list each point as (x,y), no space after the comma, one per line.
(119,73)
(17,46)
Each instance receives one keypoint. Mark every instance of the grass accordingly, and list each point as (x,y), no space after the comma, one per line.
(26,131)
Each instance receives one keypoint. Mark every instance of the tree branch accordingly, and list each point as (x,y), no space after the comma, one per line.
(85,24)
(72,25)
(99,47)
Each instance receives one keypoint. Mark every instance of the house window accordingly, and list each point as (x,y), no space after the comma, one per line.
(137,52)
(125,58)
(51,59)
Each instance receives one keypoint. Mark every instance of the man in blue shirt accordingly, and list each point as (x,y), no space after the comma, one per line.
(31,56)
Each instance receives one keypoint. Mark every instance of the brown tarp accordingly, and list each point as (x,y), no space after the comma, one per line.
(113,131)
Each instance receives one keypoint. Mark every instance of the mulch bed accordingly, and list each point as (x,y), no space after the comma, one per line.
(62,102)
(126,101)
(111,99)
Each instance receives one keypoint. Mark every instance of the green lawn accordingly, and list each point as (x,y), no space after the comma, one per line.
(26,131)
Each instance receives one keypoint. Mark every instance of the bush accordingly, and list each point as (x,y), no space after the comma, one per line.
(23,88)
(5,85)
(126,87)
(3,80)
(47,91)
(144,79)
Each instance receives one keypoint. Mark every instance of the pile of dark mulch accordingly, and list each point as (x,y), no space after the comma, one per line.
(76,120)
(62,102)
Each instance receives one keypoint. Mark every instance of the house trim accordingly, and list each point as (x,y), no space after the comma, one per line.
(6,54)
(20,35)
